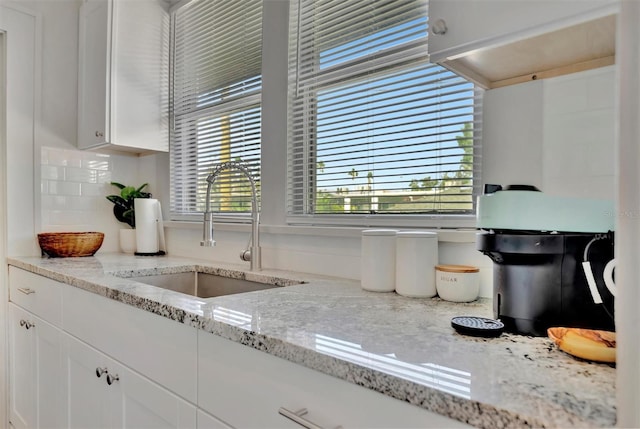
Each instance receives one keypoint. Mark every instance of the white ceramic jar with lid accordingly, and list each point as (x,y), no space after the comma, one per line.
(378,265)
(416,258)
(458,283)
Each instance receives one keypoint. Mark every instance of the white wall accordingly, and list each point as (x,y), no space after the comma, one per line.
(556,134)
(579,134)
(512,134)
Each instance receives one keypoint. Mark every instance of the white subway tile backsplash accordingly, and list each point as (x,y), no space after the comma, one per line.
(104,176)
(96,164)
(94,189)
(67,217)
(82,175)
(64,188)
(73,185)
(52,172)
(85,203)
(57,157)
(578,144)
(600,89)
(54,202)
(562,95)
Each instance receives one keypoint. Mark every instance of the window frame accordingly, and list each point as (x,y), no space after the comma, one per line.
(422,220)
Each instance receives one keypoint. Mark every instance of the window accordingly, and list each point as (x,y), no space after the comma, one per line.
(215,106)
(374,128)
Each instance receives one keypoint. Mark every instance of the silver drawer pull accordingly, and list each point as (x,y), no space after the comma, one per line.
(112,379)
(26,290)
(100,371)
(26,324)
(296,416)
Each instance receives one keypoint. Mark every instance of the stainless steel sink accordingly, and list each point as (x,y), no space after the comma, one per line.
(205,285)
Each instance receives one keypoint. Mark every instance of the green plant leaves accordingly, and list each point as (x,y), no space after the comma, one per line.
(123,208)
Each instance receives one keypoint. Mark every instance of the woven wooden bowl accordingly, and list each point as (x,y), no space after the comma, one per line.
(70,244)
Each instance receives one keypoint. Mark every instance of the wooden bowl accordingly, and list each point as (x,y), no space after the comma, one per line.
(70,244)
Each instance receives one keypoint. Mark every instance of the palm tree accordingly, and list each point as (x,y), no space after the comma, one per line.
(353,173)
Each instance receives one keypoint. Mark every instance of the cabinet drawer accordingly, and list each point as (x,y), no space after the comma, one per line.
(157,347)
(246,388)
(37,294)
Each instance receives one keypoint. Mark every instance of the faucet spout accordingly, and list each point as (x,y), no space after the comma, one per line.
(253,254)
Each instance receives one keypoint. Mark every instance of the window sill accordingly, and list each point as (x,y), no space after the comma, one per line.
(461,235)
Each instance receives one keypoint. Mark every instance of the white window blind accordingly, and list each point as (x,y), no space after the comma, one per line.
(216,84)
(374,128)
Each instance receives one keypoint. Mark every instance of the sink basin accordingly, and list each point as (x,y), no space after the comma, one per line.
(205,285)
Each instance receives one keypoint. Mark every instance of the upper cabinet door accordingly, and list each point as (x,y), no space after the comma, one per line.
(94,74)
(123,75)
(494,40)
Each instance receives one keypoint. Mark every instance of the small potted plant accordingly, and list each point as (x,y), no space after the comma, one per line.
(124,211)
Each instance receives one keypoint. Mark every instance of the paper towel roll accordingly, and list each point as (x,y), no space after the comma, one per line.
(147,217)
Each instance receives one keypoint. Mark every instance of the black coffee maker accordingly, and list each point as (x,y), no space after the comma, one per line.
(540,278)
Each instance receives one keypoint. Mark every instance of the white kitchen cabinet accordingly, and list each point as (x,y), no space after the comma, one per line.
(493,41)
(155,346)
(53,379)
(102,393)
(36,375)
(246,388)
(123,75)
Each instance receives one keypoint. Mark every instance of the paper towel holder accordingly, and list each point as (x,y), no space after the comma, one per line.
(149,228)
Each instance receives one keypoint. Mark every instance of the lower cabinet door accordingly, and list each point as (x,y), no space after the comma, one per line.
(86,389)
(22,370)
(36,371)
(140,403)
(102,393)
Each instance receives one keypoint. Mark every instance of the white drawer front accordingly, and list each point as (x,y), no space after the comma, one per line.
(246,388)
(37,294)
(157,347)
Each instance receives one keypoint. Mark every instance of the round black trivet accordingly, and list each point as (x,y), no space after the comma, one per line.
(477,326)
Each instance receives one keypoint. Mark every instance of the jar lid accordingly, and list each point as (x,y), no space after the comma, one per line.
(457,268)
(386,232)
(417,234)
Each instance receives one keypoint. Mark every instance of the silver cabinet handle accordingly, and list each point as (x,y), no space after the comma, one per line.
(99,134)
(27,324)
(26,290)
(296,416)
(112,379)
(100,371)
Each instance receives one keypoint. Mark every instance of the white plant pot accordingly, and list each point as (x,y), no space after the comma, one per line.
(128,240)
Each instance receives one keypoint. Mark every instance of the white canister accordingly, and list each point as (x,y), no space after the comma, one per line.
(416,258)
(378,268)
(458,283)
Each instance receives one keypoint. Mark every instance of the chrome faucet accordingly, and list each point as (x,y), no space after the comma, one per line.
(252,253)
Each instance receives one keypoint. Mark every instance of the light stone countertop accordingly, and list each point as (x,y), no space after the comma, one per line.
(402,347)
